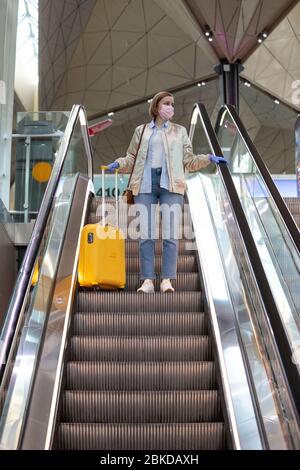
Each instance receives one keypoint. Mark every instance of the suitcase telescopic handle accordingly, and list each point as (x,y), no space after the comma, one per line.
(103,168)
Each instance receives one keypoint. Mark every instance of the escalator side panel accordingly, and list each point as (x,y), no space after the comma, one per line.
(42,410)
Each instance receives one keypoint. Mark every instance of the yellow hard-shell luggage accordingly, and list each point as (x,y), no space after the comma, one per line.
(102,252)
(35,275)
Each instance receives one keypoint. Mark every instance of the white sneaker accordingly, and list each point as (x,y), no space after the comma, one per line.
(166,286)
(147,287)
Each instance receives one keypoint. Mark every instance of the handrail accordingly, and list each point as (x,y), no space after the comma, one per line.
(17,299)
(284,212)
(282,341)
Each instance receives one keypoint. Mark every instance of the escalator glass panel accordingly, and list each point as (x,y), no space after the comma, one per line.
(24,358)
(241,292)
(278,253)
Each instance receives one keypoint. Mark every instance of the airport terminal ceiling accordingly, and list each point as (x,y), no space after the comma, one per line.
(105,54)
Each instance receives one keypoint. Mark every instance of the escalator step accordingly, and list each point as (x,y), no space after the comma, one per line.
(134,324)
(132,230)
(184,282)
(140,348)
(141,376)
(185,263)
(186,247)
(97,301)
(141,407)
(130,219)
(293,206)
(297,219)
(198,436)
(130,212)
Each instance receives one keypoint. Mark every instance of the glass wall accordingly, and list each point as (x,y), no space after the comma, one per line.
(33,152)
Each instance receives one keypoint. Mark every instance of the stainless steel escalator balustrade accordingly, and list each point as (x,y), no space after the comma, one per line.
(275,233)
(276,416)
(27,316)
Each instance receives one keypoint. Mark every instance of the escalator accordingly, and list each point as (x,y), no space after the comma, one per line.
(293,204)
(274,221)
(197,369)
(141,373)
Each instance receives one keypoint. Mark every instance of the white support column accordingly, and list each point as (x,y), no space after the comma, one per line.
(8,39)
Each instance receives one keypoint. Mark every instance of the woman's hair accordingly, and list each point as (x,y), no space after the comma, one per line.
(154,103)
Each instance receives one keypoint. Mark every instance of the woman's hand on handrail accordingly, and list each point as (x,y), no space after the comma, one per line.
(217,160)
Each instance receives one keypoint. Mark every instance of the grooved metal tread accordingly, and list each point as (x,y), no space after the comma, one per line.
(185,263)
(140,373)
(138,323)
(89,436)
(122,301)
(294,208)
(184,282)
(141,406)
(133,232)
(297,219)
(186,247)
(140,348)
(181,375)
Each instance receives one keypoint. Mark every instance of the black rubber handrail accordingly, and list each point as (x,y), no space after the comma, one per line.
(283,344)
(267,178)
(24,275)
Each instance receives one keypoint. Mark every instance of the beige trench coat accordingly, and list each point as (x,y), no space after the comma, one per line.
(179,152)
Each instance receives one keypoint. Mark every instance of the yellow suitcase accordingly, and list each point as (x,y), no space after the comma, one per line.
(102,253)
(35,274)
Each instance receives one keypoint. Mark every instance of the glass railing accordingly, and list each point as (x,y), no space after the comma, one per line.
(73,158)
(239,308)
(34,146)
(275,244)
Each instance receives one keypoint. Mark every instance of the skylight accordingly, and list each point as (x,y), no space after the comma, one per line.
(27,35)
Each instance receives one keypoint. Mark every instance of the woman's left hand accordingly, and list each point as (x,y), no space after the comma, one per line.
(217,160)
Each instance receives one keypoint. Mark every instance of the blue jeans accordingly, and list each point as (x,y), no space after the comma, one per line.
(171,213)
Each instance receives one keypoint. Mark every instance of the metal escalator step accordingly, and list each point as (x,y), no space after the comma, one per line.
(186,247)
(184,282)
(140,348)
(185,263)
(141,376)
(149,324)
(291,199)
(198,436)
(124,209)
(126,218)
(293,204)
(97,301)
(294,208)
(132,234)
(297,219)
(141,407)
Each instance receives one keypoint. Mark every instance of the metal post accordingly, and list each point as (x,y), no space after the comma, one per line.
(27,174)
(229,82)
(8,38)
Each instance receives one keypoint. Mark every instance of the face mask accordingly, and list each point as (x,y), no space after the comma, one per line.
(166,112)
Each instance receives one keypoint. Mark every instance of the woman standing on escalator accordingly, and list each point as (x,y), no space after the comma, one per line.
(164,153)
